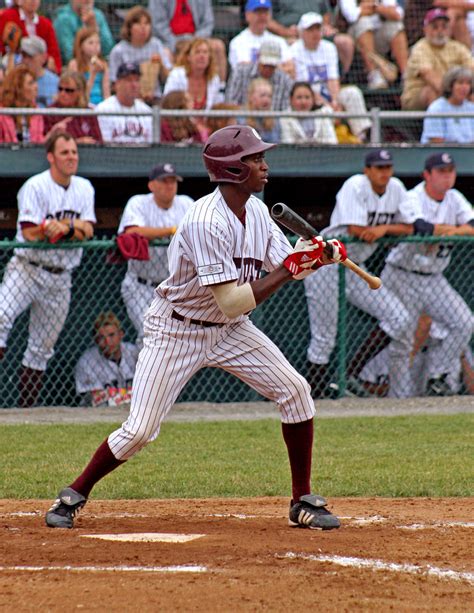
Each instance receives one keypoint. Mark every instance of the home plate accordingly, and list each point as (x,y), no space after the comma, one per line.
(146,537)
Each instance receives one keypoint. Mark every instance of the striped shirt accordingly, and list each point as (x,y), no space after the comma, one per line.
(212,246)
(242,75)
(42,198)
(142,210)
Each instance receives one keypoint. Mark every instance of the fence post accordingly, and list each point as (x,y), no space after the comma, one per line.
(342,333)
(375,131)
(156,124)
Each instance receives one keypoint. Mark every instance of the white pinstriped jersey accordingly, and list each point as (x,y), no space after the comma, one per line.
(212,246)
(42,198)
(454,210)
(357,204)
(142,210)
(95,372)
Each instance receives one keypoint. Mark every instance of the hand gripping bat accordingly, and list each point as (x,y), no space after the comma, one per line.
(291,220)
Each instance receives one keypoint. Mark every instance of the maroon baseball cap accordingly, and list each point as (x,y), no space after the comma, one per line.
(433,14)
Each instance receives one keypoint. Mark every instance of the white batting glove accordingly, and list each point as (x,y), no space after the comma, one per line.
(306,253)
(339,253)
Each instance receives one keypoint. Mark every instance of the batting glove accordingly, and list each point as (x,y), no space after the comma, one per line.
(339,253)
(306,253)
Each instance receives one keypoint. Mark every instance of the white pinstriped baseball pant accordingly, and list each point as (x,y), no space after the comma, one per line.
(174,351)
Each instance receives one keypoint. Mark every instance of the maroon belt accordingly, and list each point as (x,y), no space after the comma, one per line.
(197,322)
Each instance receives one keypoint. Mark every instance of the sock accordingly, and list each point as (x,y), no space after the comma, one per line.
(375,342)
(318,379)
(102,463)
(31,381)
(299,442)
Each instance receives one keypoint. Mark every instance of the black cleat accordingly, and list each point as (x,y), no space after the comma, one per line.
(310,512)
(438,386)
(67,504)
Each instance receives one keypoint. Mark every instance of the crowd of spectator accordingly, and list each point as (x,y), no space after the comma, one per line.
(169,56)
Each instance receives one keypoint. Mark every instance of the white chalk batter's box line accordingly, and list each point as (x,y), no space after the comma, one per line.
(379,565)
(186,568)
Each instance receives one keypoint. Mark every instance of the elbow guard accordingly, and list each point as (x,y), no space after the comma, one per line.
(423,227)
(234,300)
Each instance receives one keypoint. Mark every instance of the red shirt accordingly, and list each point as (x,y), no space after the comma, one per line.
(44,29)
(182,21)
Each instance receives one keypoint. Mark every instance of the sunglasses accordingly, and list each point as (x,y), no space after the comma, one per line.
(68,90)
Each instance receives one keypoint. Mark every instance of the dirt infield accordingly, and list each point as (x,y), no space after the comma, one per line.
(389,555)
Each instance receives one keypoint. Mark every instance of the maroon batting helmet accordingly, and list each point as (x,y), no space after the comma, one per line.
(224,150)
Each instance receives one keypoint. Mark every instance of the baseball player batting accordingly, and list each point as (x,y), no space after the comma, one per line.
(199,318)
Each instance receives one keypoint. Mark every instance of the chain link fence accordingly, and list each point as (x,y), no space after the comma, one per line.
(284,318)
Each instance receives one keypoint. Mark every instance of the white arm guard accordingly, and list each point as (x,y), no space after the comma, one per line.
(232,299)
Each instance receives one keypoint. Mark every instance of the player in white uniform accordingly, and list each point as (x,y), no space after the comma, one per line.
(414,271)
(199,319)
(154,215)
(368,206)
(53,205)
(104,373)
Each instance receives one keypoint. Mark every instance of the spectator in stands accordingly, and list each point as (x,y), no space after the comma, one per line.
(2,79)
(34,55)
(244,48)
(26,16)
(307,130)
(76,15)
(195,72)
(377,28)
(89,62)
(182,130)
(287,13)
(429,60)
(266,67)
(104,373)
(175,21)
(461,18)
(131,129)
(20,90)
(316,61)
(259,98)
(457,88)
(72,94)
(138,45)
(216,123)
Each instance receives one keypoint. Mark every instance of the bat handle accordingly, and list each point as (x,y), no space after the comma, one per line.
(372,281)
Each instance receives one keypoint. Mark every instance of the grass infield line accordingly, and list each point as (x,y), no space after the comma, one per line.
(411,569)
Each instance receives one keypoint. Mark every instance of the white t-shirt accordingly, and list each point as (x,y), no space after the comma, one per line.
(245,47)
(178,81)
(132,129)
(212,246)
(454,210)
(95,372)
(42,198)
(357,204)
(142,210)
(315,66)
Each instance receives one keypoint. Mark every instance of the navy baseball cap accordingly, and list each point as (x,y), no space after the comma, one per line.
(128,68)
(163,170)
(439,160)
(379,157)
(253,5)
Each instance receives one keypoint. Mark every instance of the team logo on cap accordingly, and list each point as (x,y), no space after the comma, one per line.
(446,158)
(256,134)
(168,168)
(385,155)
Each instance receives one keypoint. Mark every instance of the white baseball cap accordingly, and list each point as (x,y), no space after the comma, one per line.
(309,19)
(270,53)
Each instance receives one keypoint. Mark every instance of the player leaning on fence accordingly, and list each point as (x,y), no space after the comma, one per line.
(55,205)
(199,318)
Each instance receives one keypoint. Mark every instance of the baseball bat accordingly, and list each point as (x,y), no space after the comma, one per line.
(291,220)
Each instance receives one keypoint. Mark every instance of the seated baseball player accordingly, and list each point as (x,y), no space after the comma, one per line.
(154,215)
(200,318)
(104,373)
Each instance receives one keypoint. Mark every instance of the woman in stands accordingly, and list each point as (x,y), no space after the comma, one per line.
(20,90)
(318,129)
(259,98)
(457,89)
(183,130)
(138,45)
(72,94)
(89,62)
(196,73)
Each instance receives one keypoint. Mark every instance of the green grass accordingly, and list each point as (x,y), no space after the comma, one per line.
(368,456)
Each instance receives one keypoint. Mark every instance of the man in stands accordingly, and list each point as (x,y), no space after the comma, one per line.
(429,60)
(245,47)
(267,68)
